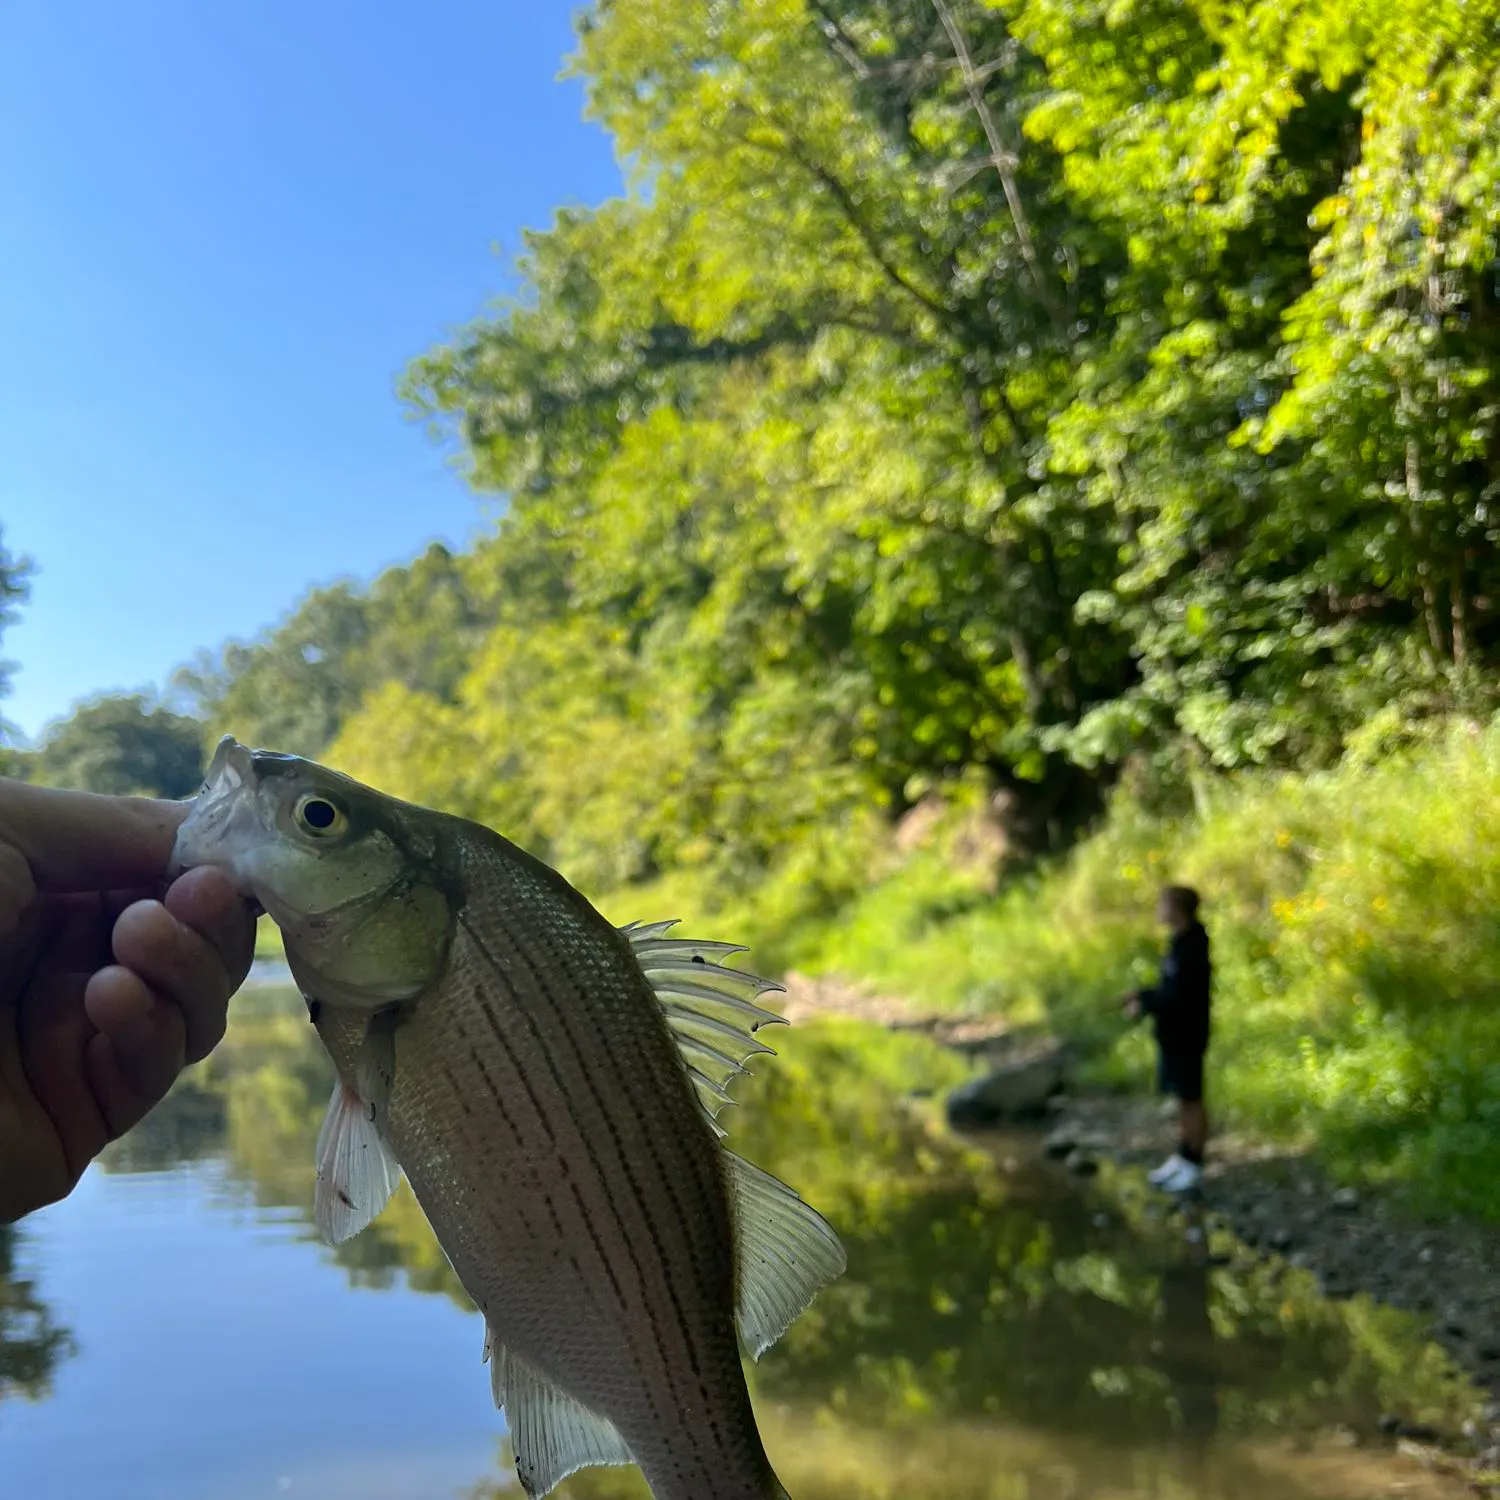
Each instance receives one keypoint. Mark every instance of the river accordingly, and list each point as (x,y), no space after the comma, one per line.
(174,1331)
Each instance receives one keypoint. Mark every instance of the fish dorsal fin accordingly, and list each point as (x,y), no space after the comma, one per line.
(357,1171)
(786,1253)
(710,1007)
(552,1434)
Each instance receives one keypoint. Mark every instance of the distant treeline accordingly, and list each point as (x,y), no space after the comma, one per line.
(1015,393)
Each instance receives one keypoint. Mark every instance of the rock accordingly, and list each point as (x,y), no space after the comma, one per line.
(1345,1200)
(1081,1164)
(1062,1142)
(1015,1088)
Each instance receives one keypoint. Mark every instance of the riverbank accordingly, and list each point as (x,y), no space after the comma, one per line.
(1278,1203)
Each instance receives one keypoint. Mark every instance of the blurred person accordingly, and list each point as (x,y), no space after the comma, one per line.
(1179,1006)
(112,978)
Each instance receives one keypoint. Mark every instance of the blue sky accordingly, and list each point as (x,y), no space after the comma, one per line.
(224,230)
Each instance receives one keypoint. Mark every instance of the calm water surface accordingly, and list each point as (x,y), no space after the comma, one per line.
(175,1332)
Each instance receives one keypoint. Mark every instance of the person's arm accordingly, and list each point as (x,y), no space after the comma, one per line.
(1160,1000)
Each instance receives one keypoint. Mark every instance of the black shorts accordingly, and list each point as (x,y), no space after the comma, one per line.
(1180,1072)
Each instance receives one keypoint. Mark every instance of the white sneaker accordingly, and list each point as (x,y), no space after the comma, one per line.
(1167,1169)
(1187,1176)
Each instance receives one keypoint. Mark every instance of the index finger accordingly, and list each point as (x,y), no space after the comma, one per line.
(81,841)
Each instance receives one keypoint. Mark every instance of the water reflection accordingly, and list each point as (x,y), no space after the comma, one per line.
(32,1342)
(1187,1355)
(992,1337)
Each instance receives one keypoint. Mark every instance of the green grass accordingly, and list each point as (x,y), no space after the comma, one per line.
(268,945)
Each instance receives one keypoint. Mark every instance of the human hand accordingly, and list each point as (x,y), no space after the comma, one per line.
(112,980)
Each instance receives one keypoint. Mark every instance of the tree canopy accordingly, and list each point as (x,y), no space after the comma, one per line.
(996,391)
(1008,388)
(122,745)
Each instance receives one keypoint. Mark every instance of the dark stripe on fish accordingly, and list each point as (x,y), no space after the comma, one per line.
(541,985)
(560,962)
(486,1009)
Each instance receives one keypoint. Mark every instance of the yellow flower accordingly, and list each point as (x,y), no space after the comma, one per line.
(1283,839)
(1380,903)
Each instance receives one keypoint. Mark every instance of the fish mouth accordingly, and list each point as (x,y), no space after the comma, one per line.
(213,832)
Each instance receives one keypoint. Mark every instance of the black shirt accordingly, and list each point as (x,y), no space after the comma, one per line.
(1179,1004)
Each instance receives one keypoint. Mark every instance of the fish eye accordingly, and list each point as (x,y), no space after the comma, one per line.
(319,817)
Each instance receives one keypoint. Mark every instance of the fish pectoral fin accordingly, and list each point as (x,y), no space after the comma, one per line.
(552,1434)
(357,1170)
(375,1064)
(786,1253)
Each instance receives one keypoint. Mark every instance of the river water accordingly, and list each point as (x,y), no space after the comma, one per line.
(174,1331)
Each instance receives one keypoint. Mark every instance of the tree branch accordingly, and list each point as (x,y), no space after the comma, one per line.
(856,221)
(1005,162)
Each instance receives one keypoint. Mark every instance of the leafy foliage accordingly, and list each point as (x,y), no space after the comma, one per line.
(122,746)
(292,689)
(1016,388)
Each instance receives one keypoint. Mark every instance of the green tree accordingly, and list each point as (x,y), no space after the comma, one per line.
(292,689)
(122,745)
(966,390)
(15,588)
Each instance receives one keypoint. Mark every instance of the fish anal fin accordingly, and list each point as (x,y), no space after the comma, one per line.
(785,1253)
(357,1170)
(552,1434)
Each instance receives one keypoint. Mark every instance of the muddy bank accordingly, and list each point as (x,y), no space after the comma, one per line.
(1276,1204)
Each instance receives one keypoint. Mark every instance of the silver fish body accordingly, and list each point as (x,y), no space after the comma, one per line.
(540,1093)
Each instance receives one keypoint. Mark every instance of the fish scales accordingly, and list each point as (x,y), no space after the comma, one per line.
(549,1084)
(653,1348)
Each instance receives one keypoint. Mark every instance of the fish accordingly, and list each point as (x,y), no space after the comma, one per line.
(550,1086)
